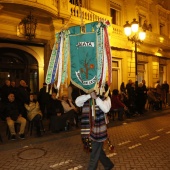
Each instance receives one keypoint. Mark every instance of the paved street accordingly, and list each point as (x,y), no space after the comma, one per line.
(141,143)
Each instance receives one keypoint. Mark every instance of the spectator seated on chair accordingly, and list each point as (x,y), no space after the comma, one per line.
(56,114)
(34,113)
(117,105)
(58,121)
(13,115)
(153,99)
(70,111)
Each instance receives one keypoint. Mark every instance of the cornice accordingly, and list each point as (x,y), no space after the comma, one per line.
(143,4)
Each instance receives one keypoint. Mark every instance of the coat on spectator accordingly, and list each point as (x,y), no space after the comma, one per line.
(32,110)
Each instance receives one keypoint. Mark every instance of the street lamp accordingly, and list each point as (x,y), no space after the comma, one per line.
(137,38)
(27,26)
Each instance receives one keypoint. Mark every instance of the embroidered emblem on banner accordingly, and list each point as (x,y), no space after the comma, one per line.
(83,60)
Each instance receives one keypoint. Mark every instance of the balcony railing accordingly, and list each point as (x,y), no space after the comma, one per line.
(156,39)
(116,29)
(87,14)
(151,38)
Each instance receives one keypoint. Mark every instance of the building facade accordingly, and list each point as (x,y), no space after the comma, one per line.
(24,56)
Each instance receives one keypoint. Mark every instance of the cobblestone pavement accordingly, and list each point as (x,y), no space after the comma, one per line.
(141,143)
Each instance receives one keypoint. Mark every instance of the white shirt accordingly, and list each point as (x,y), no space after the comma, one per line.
(103,105)
(66,106)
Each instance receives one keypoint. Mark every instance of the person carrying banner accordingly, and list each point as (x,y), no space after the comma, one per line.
(94,129)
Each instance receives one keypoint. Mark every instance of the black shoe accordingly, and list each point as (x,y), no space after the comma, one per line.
(55,131)
(39,134)
(111,167)
(22,136)
(13,137)
(120,119)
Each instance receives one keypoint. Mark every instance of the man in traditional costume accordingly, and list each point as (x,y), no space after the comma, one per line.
(94,128)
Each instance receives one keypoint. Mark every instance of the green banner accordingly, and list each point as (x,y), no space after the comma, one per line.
(83,60)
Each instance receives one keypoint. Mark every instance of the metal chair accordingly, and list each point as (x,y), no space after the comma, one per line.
(31,125)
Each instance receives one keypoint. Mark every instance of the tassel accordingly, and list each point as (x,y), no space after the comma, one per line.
(111,147)
(96,88)
(107,93)
(106,118)
(57,95)
(102,90)
(51,89)
(93,109)
(47,88)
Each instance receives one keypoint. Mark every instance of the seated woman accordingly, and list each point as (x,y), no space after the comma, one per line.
(117,105)
(34,113)
(70,111)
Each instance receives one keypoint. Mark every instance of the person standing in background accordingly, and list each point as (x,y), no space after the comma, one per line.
(159,93)
(13,87)
(145,93)
(122,88)
(23,97)
(5,90)
(165,87)
(43,99)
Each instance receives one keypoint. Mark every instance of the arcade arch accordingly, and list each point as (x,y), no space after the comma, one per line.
(22,62)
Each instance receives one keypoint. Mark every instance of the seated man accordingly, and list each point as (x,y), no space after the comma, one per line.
(70,111)
(56,114)
(12,115)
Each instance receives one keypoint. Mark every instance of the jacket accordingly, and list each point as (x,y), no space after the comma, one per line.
(32,110)
(11,110)
(116,102)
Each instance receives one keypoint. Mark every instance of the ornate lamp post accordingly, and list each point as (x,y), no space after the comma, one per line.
(136,37)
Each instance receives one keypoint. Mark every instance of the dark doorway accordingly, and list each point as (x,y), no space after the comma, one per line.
(16,64)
